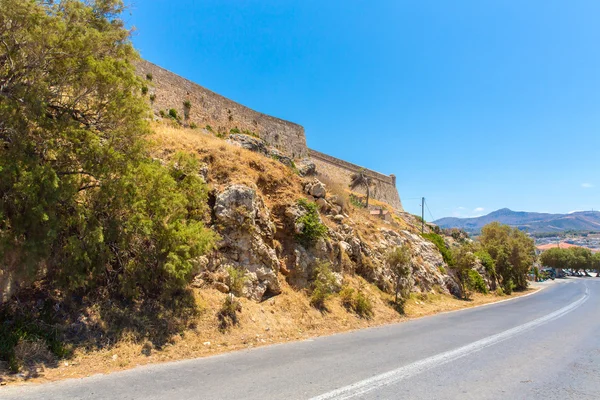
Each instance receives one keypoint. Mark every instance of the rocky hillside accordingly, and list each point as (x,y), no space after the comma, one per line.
(256,211)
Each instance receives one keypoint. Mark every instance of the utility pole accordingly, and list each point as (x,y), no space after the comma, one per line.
(422,215)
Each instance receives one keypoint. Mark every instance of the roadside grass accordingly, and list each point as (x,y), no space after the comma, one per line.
(285,318)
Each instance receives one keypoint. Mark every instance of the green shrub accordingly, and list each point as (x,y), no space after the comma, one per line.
(236,280)
(312,227)
(476,282)
(499,291)
(37,325)
(439,243)
(362,305)
(356,301)
(323,286)
(347,296)
(442,269)
(228,313)
(487,261)
(234,130)
(149,76)
(356,201)
(173,113)
(162,114)
(508,287)
(193,126)
(144,90)
(153,97)
(209,128)
(187,105)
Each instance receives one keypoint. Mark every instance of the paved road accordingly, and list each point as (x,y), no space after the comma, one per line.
(544,346)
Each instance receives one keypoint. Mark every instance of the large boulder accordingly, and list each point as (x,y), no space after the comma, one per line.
(316,189)
(306,167)
(247,231)
(249,142)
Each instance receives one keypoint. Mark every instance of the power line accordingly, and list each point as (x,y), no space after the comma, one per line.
(430,214)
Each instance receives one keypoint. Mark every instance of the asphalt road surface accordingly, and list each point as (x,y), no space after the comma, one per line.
(543,346)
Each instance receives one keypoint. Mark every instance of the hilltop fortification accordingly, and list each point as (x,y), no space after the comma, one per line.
(198,106)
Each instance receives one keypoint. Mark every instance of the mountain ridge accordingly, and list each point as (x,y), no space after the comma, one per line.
(533,222)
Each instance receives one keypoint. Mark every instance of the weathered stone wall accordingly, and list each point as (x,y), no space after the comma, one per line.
(208,108)
(170,91)
(340,171)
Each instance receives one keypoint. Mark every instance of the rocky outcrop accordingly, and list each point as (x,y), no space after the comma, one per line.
(306,167)
(249,143)
(247,230)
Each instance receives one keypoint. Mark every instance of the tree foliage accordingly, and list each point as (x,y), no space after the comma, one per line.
(512,251)
(81,203)
(400,263)
(464,261)
(573,258)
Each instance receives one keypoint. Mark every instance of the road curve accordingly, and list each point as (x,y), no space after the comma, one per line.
(544,346)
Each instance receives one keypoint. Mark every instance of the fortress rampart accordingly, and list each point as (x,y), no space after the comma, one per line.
(196,105)
(170,91)
(340,171)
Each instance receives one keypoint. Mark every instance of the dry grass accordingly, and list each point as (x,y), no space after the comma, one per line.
(228,163)
(284,318)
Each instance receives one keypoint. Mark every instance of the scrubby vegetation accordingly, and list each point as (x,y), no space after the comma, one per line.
(228,313)
(399,260)
(83,208)
(236,280)
(356,301)
(439,243)
(323,286)
(312,229)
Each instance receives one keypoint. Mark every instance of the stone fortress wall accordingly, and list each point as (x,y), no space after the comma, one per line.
(208,108)
(170,91)
(340,171)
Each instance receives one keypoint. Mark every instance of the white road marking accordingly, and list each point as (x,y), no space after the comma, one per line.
(407,371)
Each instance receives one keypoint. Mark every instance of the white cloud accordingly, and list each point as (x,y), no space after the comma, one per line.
(587,185)
(463,212)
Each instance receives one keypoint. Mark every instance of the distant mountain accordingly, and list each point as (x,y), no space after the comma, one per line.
(528,221)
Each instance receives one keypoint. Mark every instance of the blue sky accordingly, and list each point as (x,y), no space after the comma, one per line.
(476,105)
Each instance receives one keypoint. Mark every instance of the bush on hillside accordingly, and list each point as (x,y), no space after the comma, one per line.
(439,243)
(83,208)
(356,301)
(312,227)
(476,282)
(323,286)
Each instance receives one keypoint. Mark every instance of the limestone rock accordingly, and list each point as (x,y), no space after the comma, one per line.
(282,158)
(306,167)
(316,189)
(248,142)
(247,231)
(221,287)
